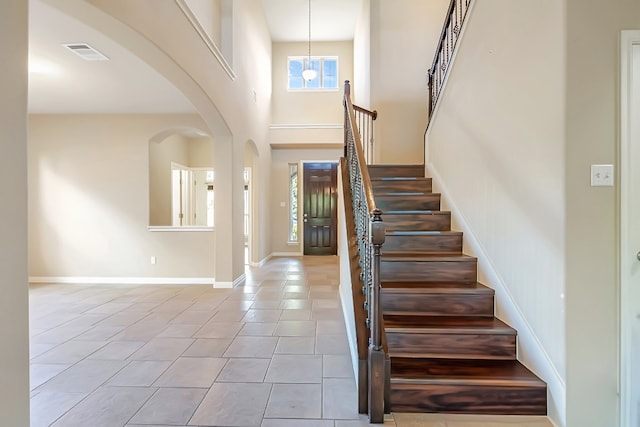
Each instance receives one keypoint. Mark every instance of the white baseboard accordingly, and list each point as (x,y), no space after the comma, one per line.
(94,280)
(223,285)
(239,279)
(538,359)
(229,285)
(261,262)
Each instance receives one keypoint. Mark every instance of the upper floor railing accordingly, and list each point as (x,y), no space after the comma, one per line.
(454,20)
(370,234)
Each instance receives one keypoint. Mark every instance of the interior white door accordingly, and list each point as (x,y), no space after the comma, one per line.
(176,198)
(630,229)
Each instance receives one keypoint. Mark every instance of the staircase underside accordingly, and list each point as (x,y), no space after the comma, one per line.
(447,350)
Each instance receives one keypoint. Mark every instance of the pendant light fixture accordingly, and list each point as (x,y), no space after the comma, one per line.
(309,73)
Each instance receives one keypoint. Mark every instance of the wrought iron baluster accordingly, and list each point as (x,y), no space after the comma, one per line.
(451,31)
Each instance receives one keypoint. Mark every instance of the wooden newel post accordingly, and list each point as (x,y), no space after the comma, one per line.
(377,369)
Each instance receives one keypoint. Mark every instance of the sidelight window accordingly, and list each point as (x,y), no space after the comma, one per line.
(293,202)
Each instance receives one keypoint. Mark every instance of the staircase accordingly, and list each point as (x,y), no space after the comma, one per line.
(448,352)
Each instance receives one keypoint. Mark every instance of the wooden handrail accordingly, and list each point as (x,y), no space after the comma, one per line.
(373,114)
(370,236)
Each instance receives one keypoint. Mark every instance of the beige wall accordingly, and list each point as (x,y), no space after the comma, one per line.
(592,92)
(209,14)
(496,145)
(89,201)
(404,36)
(200,152)
(14,303)
(280,191)
(361,84)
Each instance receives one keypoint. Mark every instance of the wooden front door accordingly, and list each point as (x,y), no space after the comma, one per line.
(320,215)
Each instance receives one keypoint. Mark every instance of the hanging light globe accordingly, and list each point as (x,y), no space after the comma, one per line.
(309,74)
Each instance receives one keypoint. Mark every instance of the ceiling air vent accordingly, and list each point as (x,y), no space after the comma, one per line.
(85,51)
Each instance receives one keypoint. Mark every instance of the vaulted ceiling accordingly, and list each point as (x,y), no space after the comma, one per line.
(62,82)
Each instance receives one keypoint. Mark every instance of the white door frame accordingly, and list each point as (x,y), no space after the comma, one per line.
(628,119)
(249,213)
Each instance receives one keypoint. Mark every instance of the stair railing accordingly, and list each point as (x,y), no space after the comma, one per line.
(370,233)
(454,20)
(364,120)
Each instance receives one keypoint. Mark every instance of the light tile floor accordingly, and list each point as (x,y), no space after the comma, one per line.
(272,352)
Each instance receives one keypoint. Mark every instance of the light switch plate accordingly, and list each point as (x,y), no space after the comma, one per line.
(602,175)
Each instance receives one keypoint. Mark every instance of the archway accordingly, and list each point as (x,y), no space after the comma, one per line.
(103,16)
(181,178)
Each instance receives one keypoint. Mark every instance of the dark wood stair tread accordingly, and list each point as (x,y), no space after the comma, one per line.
(396,165)
(462,371)
(401,178)
(437,299)
(414,256)
(446,324)
(422,241)
(419,257)
(415,211)
(434,287)
(422,233)
(402,194)
(396,170)
(420,219)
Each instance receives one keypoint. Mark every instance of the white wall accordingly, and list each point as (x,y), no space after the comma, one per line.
(14,303)
(496,145)
(404,36)
(89,201)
